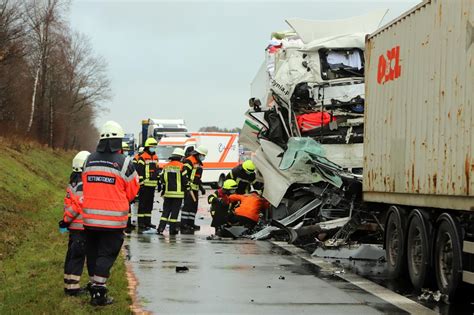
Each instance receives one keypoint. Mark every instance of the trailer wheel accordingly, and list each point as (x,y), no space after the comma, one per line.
(448,256)
(395,243)
(418,250)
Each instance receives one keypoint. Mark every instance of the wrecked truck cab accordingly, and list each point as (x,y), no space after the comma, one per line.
(305,124)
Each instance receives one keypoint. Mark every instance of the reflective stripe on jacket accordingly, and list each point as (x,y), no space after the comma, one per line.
(148,169)
(193,172)
(250,205)
(173,180)
(73,203)
(110,183)
(243,179)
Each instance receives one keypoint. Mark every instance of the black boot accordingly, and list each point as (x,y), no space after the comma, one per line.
(88,287)
(99,296)
(75,292)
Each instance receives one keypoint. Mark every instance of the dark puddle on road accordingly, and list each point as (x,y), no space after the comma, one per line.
(302,267)
(376,271)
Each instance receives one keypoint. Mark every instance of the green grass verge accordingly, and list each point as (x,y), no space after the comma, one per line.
(32,251)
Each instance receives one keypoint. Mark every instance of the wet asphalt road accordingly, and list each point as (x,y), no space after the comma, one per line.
(240,277)
(237,276)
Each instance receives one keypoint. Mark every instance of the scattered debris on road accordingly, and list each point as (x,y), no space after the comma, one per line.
(181,269)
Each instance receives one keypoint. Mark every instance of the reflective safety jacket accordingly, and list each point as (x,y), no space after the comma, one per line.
(148,169)
(135,158)
(219,201)
(73,203)
(193,172)
(110,183)
(250,205)
(243,179)
(174,182)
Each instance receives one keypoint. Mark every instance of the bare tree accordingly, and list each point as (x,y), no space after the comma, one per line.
(42,17)
(51,82)
(86,81)
(11,52)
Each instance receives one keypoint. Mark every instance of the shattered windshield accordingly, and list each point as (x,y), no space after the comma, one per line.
(341,63)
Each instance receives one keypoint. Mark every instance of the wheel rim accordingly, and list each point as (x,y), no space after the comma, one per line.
(445,259)
(393,244)
(416,251)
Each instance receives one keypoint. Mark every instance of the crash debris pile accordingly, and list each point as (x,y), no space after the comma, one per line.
(306,126)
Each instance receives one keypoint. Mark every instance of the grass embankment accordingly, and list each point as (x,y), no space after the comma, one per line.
(32,188)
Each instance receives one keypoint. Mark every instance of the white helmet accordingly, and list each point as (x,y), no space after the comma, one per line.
(79,160)
(201,150)
(178,152)
(111,130)
(140,149)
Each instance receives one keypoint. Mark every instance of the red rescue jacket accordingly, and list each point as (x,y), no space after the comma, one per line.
(110,183)
(73,203)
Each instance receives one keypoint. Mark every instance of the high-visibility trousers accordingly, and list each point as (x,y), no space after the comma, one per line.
(74,262)
(190,206)
(146,197)
(102,248)
(171,207)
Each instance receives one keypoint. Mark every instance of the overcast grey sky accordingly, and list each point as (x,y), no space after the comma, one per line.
(193,59)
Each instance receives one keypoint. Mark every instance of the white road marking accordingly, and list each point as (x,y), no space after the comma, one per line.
(377,290)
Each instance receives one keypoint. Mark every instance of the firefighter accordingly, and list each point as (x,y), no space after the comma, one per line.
(73,221)
(148,172)
(130,226)
(247,212)
(174,185)
(192,171)
(137,155)
(244,175)
(134,204)
(109,184)
(125,148)
(220,204)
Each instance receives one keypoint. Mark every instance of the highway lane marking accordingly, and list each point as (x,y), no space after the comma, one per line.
(377,290)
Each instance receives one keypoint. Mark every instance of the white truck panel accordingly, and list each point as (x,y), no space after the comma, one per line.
(223,153)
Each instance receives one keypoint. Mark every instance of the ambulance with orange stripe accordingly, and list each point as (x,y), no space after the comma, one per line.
(223,154)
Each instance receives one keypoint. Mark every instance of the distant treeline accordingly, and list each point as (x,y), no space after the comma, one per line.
(51,82)
(218,129)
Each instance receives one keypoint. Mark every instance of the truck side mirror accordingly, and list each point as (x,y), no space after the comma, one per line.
(255,103)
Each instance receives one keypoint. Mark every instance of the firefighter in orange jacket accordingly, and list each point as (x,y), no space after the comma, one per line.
(73,221)
(174,184)
(192,171)
(247,213)
(109,183)
(148,172)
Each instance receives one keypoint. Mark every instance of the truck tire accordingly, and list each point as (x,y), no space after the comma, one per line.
(418,250)
(395,242)
(448,256)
